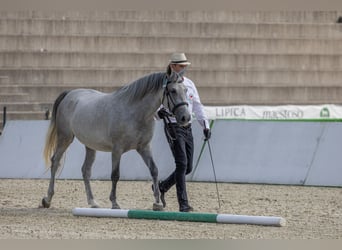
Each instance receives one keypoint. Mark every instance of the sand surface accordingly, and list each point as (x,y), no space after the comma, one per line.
(310,212)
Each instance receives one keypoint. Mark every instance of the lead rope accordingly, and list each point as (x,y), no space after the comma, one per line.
(167,129)
(169,137)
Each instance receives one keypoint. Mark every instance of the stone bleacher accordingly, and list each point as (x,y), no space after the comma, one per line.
(252,58)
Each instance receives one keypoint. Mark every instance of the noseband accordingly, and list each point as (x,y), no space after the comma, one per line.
(170,99)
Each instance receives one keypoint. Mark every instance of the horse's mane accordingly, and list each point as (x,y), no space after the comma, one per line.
(137,89)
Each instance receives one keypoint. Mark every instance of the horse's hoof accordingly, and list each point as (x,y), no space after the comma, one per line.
(94,204)
(158,207)
(45,204)
(115,207)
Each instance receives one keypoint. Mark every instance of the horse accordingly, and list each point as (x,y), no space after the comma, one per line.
(113,122)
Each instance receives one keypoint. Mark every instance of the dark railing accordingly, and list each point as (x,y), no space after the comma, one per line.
(4,117)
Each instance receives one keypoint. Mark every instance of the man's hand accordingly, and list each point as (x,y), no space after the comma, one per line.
(207,134)
(163,113)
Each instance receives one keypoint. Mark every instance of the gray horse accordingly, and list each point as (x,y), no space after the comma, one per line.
(113,122)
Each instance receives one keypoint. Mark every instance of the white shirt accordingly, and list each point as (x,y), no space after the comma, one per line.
(195,106)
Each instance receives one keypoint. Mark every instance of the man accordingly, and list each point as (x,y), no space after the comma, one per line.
(182,139)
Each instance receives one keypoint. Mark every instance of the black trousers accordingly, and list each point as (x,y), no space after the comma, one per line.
(182,149)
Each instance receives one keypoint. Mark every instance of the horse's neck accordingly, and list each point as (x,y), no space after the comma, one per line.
(145,108)
(151,102)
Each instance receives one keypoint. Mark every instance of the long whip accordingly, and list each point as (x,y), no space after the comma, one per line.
(212,164)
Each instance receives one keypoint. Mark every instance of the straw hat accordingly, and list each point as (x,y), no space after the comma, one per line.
(179,58)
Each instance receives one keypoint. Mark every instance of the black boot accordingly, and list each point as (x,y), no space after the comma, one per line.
(186,208)
(183,201)
(162,195)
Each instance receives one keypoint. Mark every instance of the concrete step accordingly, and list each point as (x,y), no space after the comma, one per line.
(147,44)
(42,97)
(24,115)
(10,89)
(4,79)
(13,97)
(47,94)
(275,16)
(215,61)
(257,57)
(225,96)
(213,78)
(168,28)
(36,59)
(270,95)
(26,106)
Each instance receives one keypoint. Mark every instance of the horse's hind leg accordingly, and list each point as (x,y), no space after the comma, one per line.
(55,161)
(146,154)
(86,172)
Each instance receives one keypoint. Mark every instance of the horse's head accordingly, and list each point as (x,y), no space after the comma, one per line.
(175,98)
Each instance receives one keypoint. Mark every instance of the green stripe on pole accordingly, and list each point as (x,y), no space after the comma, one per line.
(179,216)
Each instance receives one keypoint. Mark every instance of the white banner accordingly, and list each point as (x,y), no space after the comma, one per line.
(327,112)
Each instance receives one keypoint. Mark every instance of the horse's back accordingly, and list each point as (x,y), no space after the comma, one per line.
(84,114)
(83,96)
(82,104)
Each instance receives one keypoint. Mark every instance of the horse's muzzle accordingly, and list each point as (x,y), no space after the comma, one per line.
(182,113)
(184,119)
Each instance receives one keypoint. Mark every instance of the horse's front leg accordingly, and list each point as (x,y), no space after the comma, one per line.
(115,176)
(86,173)
(146,154)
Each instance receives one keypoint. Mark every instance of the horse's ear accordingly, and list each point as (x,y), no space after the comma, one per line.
(173,77)
(168,70)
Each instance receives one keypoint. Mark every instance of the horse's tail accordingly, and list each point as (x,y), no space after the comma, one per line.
(51,136)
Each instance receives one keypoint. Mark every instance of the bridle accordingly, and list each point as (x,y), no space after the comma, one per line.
(166,119)
(170,99)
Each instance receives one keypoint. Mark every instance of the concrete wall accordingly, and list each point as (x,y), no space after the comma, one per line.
(300,153)
(238,57)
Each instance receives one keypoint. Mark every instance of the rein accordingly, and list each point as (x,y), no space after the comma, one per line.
(169,137)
